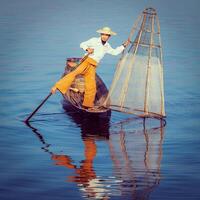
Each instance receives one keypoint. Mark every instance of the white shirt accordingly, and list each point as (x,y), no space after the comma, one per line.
(99,49)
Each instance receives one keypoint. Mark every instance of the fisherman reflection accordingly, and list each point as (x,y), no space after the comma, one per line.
(92,128)
(85,172)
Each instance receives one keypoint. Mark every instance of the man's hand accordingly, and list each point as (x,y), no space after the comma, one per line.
(90,50)
(53,90)
(126,43)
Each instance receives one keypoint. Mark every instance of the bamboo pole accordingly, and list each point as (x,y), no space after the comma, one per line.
(146,99)
(162,109)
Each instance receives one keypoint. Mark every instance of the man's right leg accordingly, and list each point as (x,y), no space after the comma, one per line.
(90,87)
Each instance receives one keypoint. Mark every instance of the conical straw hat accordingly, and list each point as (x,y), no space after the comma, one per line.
(106,30)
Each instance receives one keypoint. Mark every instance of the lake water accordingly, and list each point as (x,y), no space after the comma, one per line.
(65,155)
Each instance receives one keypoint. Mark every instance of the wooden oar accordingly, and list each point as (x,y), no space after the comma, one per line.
(46,98)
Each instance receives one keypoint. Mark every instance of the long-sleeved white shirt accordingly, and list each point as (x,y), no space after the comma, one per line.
(99,49)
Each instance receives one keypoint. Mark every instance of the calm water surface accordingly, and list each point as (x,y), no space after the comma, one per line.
(65,155)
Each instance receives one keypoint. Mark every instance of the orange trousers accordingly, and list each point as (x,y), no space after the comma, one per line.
(88,69)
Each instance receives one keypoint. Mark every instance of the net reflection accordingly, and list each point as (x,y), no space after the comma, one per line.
(135,149)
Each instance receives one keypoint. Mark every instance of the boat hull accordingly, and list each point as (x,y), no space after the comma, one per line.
(75,95)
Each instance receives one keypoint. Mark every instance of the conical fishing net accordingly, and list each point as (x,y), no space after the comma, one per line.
(137,86)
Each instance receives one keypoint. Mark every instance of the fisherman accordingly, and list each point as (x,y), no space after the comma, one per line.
(96,48)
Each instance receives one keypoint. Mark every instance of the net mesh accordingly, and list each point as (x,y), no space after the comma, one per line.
(137,86)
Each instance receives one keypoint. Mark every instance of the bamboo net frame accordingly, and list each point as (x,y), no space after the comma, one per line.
(130,82)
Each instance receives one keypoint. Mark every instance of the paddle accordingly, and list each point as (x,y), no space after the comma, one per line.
(46,98)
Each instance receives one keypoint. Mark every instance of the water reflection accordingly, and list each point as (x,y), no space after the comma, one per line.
(135,150)
(96,125)
(93,128)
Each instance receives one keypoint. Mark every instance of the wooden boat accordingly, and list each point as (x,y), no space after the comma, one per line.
(74,96)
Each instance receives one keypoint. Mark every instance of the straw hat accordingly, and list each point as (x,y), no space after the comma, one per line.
(106,30)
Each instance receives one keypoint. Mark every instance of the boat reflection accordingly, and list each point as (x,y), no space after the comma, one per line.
(91,125)
(135,150)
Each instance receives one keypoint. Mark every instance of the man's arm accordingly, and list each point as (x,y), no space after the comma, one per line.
(115,51)
(119,49)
